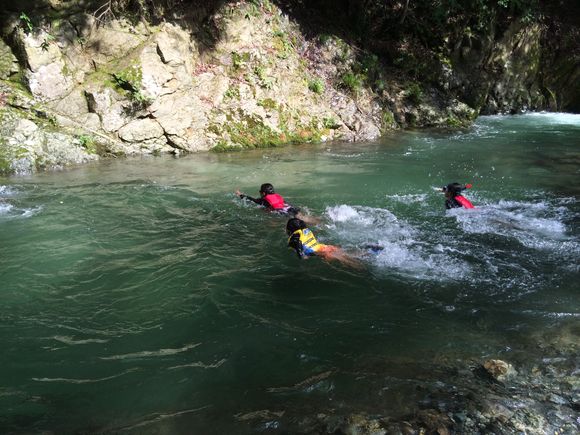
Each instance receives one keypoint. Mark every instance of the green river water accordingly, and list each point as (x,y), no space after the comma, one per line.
(142,296)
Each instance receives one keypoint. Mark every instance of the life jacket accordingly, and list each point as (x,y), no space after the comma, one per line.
(309,243)
(275,201)
(463,201)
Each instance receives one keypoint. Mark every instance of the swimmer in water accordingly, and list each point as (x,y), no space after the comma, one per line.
(453,197)
(304,243)
(274,202)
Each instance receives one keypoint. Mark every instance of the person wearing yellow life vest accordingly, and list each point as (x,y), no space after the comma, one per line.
(303,241)
(274,202)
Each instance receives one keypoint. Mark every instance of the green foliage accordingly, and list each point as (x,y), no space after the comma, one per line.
(414,93)
(239,60)
(282,44)
(268,103)
(26,23)
(264,5)
(260,72)
(388,120)
(324,38)
(352,81)
(129,82)
(330,123)
(232,93)
(453,122)
(47,41)
(249,131)
(263,80)
(5,167)
(316,85)
(88,143)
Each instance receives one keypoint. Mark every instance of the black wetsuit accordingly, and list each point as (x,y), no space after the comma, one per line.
(452,203)
(288,210)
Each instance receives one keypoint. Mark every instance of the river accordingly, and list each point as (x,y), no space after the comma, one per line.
(140,295)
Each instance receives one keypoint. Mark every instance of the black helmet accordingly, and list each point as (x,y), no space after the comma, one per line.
(294,224)
(453,188)
(267,188)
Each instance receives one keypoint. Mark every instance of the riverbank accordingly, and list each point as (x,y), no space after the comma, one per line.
(83,80)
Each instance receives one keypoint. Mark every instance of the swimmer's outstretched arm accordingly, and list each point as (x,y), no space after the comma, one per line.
(296,244)
(259,201)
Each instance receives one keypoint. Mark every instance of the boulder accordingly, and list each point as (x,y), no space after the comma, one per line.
(183,119)
(28,147)
(498,369)
(47,74)
(115,40)
(155,74)
(140,130)
(111,108)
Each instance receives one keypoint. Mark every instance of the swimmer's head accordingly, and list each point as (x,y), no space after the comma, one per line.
(294,224)
(266,189)
(454,189)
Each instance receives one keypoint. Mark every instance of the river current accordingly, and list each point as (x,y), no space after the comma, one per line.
(142,296)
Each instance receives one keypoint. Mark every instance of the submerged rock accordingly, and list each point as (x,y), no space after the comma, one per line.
(498,369)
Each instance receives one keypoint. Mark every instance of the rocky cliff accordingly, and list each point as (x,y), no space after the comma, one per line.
(79,80)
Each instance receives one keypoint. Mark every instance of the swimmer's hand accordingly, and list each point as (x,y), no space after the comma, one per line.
(238,193)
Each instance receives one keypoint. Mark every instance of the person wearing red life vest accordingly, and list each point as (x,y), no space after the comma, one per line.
(274,202)
(271,200)
(453,197)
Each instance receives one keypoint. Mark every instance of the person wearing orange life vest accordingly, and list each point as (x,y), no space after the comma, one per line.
(453,197)
(303,241)
(274,202)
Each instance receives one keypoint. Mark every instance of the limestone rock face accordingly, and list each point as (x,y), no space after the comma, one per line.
(47,73)
(140,130)
(110,107)
(8,62)
(115,40)
(181,118)
(29,147)
(255,79)
(500,75)
(144,136)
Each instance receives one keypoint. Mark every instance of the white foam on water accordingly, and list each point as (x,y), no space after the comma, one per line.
(404,247)
(7,190)
(344,156)
(409,198)
(28,212)
(152,353)
(72,341)
(555,118)
(8,211)
(534,224)
(5,208)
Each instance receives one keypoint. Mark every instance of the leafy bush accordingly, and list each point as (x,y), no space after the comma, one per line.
(352,81)
(232,93)
(330,123)
(316,86)
(88,143)
(239,60)
(129,81)
(414,93)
